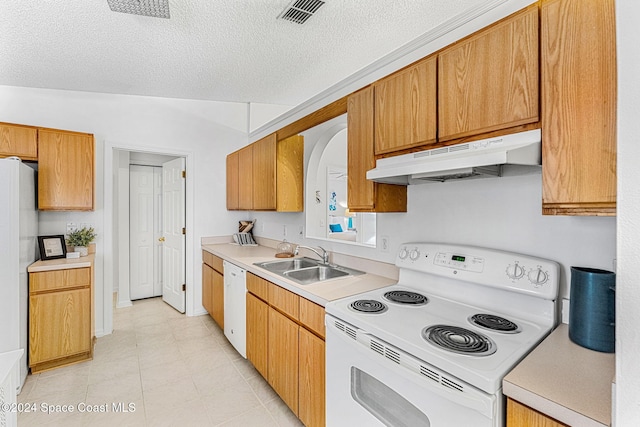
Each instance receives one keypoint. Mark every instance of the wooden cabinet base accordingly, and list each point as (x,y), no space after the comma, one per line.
(70,360)
(519,415)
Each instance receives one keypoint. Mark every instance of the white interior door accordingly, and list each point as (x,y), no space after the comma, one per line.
(145,202)
(173,233)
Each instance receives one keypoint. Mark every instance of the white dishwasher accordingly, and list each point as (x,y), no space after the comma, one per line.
(235,308)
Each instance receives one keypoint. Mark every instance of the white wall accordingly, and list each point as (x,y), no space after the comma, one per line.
(205,130)
(502,213)
(627,406)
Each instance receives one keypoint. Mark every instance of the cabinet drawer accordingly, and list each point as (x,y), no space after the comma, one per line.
(212,261)
(284,300)
(59,279)
(312,316)
(258,286)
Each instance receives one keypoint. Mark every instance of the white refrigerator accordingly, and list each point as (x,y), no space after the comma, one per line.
(18,249)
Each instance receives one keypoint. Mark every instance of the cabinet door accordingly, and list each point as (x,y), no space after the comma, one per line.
(233,175)
(311,384)
(218,298)
(490,80)
(405,108)
(290,174)
(283,358)
(21,141)
(578,51)
(245,178)
(65,170)
(364,195)
(264,173)
(59,324)
(207,288)
(257,333)
(519,415)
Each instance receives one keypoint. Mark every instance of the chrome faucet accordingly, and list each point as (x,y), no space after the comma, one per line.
(324,255)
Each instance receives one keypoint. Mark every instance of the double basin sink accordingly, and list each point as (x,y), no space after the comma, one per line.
(306,271)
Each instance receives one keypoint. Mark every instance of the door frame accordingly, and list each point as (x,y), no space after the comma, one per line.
(110,214)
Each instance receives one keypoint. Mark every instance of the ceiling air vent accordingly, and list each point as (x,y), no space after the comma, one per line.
(299,11)
(153,8)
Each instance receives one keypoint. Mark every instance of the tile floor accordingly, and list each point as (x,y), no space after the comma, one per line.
(173,369)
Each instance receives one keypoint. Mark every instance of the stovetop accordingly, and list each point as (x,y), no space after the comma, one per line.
(524,315)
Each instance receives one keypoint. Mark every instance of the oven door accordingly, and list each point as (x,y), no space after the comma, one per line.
(370,383)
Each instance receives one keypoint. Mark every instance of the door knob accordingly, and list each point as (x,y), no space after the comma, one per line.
(161,239)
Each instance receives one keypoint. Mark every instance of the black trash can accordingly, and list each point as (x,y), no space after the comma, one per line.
(592,313)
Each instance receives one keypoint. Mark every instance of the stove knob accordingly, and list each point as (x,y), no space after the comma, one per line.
(403,253)
(414,254)
(537,276)
(515,271)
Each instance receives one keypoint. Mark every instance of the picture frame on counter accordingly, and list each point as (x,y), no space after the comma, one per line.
(52,247)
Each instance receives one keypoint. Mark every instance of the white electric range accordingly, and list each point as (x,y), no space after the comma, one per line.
(432,350)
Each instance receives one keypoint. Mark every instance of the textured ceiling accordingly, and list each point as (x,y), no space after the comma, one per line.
(223,50)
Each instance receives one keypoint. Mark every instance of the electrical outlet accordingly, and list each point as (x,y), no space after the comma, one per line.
(284,230)
(71,226)
(384,243)
(301,231)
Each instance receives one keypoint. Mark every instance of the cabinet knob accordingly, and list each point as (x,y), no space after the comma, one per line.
(161,239)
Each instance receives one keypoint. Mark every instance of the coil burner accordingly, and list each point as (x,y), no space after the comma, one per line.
(368,306)
(494,323)
(459,340)
(406,297)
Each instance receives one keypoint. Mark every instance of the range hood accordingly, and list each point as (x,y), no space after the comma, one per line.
(505,155)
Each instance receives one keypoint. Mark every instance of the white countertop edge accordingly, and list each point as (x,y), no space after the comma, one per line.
(547,407)
(61,264)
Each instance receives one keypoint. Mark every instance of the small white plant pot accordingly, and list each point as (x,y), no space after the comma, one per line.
(84,251)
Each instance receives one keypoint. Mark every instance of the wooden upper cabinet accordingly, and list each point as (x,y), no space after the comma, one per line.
(290,174)
(579,90)
(405,108)
(66,170)
(21,141)
(364,195)
(264,173)
(489,81)
(245,178)
(233,171)
(269,176)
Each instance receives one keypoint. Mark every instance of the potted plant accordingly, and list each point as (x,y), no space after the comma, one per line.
(80,239)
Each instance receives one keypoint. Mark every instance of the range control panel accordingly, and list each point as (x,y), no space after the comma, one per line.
(490,267)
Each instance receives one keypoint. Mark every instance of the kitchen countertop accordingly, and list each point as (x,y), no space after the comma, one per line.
(564,381)
(320,293)
(61,264)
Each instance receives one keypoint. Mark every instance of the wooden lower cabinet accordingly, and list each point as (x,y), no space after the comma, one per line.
(213,287)
(519,415)
(283,358)
(257,333)
(311,379)
(287,350)
(60,317)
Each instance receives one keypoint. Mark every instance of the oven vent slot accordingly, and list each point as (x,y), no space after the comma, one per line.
(347,330)
(448,383)
(377,347)
(432,375)
(385,351)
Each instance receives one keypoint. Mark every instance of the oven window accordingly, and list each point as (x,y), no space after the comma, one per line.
(384,403)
